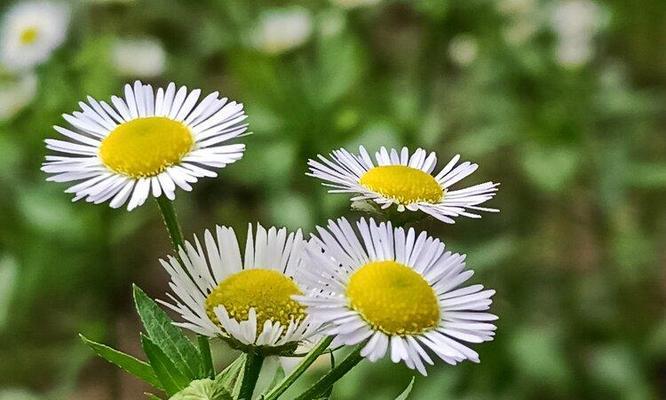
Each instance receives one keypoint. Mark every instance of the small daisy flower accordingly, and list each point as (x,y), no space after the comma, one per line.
(16,94)
(148,143)
(398,291)
(407,181)
(281,30)
(138,58)
(31,31)
(245,300)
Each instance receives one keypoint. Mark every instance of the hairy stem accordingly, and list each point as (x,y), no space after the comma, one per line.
(333,375)
(253,364)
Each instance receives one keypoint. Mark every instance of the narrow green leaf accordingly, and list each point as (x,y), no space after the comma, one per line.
(171,378)
(160,329)
(228,377)
(126,362)
(151,396)
(407,391)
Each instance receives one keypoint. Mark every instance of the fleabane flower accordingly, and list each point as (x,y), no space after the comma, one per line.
(404,180)
(31,31)
(282,29)
(398,292)
(148,143)
(246,300)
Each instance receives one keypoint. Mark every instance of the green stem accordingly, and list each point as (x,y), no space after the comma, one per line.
(171,222)
(253,364)
(288,380)
(206,356)
(333,375)
(176,234)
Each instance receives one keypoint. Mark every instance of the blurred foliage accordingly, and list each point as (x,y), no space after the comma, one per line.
(576,255)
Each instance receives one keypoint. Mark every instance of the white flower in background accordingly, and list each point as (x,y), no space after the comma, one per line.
(399,291)
(31,31)
(246,299)
(406,181)
(138,58)
(575,22)
(463,49)
(280,30)
(516,8)
(146,143)
(523,20)
(355,3)
(17,93)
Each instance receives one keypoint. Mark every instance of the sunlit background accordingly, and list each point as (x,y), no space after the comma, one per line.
(563,102)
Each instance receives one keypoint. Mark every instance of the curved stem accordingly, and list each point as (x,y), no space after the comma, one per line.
(288,380)
(171,222)
(253,364)
(176,234)
(333,375)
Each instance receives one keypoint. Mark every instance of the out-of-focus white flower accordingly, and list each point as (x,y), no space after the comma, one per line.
(523,20)
(520,31)
(576,18)
(280,30)
(463,49)
(355,3)
(575,22)
(138,58)
(16,94)
(31,31)
(514,8)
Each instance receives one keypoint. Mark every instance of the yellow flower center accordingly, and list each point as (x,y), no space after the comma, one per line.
(29,36)
(267,291)
(393,298)
(403,184)
(146,146)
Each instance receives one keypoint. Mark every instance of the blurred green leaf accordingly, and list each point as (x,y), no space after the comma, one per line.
(407,391)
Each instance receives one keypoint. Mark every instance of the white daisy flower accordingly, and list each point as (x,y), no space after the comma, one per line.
(355,3)
(280,30)
(246,300)
(31,31)
(398,291)
(407,181)
(138,58)
(148,143)
(16,94)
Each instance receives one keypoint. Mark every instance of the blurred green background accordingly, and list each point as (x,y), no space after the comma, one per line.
(563,102)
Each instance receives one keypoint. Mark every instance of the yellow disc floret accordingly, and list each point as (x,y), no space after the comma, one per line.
(403,184)
(267,291)
(145,147)
(393,298)
(29,36)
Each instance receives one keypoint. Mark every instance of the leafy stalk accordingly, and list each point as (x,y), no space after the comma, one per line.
(320,387)
(176,234)
(310,358)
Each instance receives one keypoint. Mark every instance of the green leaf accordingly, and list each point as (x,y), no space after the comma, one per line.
(127,363)
(171,378)
(151,396)
(229,376)
(169,338)
(407,391)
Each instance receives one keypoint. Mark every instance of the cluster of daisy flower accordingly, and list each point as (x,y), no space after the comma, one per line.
(29,33)
(383,289)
